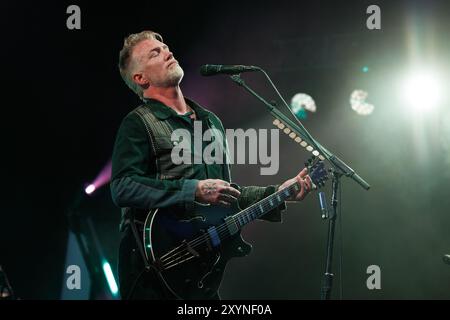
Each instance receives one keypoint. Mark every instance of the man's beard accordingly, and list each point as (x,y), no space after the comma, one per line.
(173,78)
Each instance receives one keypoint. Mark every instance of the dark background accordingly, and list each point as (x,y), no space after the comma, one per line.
(63,100)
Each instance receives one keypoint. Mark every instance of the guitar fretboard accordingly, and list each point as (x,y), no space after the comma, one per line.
(259,209)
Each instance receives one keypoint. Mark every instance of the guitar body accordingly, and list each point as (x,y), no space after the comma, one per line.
(191,255)
(190,265)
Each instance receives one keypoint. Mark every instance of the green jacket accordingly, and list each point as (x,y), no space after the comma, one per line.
(144,177)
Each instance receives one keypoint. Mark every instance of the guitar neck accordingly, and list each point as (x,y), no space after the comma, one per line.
(259,209)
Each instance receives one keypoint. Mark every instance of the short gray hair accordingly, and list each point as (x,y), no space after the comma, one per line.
(125,57)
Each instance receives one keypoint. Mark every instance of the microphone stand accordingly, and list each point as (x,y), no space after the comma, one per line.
(340,168)
(327,281)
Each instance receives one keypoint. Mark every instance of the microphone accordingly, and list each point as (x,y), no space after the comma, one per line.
(213,69)
(323,205)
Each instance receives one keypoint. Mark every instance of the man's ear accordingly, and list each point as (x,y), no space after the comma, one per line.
(141,80)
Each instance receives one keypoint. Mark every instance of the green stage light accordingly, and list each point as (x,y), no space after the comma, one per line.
(110,278)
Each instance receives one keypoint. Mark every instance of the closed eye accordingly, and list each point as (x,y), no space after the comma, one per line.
(156,51)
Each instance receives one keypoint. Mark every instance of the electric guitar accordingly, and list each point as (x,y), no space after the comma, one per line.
(190,256)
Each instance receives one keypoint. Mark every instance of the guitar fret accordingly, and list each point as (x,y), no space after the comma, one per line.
(265,205)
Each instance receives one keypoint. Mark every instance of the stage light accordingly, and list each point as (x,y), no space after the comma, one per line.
(102,178)
(110,278)
(300,103)
(359,104)
(421,91)
(90,189)
(365,69)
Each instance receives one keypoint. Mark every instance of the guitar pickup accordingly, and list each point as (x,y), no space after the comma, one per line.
(214,236)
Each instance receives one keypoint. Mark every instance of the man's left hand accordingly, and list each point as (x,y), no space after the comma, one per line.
(304,181)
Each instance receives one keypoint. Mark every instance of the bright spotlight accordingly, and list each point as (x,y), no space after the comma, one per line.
(421,91)
(89,189)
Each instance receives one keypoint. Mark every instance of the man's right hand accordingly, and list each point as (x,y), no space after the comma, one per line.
(216,192)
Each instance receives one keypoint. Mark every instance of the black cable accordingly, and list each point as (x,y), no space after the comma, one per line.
(5,286)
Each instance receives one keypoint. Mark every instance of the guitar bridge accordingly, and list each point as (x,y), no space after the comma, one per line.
(190,249)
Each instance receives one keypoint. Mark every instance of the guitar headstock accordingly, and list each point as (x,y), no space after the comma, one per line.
(317,172)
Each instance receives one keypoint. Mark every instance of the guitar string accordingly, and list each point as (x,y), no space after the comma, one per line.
(262,202)
(222,230)
(201,239)
(168,259)
(173,258)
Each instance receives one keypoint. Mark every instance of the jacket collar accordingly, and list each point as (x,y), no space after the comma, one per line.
(162,112)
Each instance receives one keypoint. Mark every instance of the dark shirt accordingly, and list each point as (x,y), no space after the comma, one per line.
(134,181)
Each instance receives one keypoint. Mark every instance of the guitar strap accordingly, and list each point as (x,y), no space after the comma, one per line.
(154,127)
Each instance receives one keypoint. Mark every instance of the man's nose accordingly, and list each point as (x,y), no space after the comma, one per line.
(169,55)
